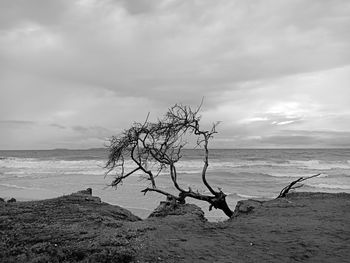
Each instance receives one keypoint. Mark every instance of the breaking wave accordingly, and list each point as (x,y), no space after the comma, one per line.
(328,186)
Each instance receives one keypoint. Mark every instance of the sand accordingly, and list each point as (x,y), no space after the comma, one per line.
(304,227)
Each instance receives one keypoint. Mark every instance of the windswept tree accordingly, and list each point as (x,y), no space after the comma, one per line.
(155,148)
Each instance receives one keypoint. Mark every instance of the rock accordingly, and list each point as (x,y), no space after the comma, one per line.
(246,207)
(71,229)
(94,204)
(12,200)
(86,195)
(2,200)
(88,191)
(167,208)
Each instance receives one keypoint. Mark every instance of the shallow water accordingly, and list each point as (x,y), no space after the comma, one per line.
(242,174)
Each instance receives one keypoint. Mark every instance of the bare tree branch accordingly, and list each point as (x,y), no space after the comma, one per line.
(144,191)
(293,185)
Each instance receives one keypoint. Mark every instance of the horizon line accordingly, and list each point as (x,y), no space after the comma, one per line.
(238,148)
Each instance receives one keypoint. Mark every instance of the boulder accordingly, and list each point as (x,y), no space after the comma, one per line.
(246,207)
(86,195)
(88,191)
(12,200)
(167,208)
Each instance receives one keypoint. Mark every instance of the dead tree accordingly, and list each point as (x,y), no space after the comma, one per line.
(155,147)
(293,185)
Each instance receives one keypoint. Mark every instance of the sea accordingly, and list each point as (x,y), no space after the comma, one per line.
(240,173)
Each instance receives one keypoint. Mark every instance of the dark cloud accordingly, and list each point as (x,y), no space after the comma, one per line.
(86,68)
(135,7)
(141,56)
(18,12)
(58,126)
(15,123)
(93,131)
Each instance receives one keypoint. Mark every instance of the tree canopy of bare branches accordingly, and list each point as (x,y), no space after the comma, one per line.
(156,147)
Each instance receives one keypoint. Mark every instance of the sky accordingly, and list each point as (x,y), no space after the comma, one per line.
(276,74)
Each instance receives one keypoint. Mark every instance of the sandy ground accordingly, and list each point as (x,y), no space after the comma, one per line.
(304,227)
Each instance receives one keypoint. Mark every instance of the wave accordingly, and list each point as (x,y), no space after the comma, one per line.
(19,187)
(328,186)
(189,172)
(192,166)
(308,165)
(22,167)
(246,196)
(14,162)
(321,165)
(34,167)
(294,175)
(185,164)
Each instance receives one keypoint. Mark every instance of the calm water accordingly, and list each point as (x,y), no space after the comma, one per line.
(29,175)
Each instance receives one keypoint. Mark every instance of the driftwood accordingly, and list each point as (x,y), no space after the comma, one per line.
(293,185)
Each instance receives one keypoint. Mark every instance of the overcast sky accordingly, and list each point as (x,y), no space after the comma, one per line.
(276,73)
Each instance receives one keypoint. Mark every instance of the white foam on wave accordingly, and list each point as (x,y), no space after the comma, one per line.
(23,167)
(189,172)
(321,165)
(293,175)
(246,196)
(19,187)
(38,168)
(329,186)
(299,164)
(35,163)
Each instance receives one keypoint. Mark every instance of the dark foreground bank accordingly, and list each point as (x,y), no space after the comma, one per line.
(306,227)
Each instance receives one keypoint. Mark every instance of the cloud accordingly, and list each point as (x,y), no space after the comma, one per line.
(261,66)
(137,7)
(58,126)
(93,132)
(185,47)
(15,123)
(18,12)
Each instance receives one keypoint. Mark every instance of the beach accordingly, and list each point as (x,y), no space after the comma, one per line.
(304,227)
(49,224)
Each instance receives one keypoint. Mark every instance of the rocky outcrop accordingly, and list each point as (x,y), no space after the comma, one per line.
(85,195)
(79,227)
(12,200)
(246,206)
(168,208)
(72,228)
(91,203)
(87,191)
